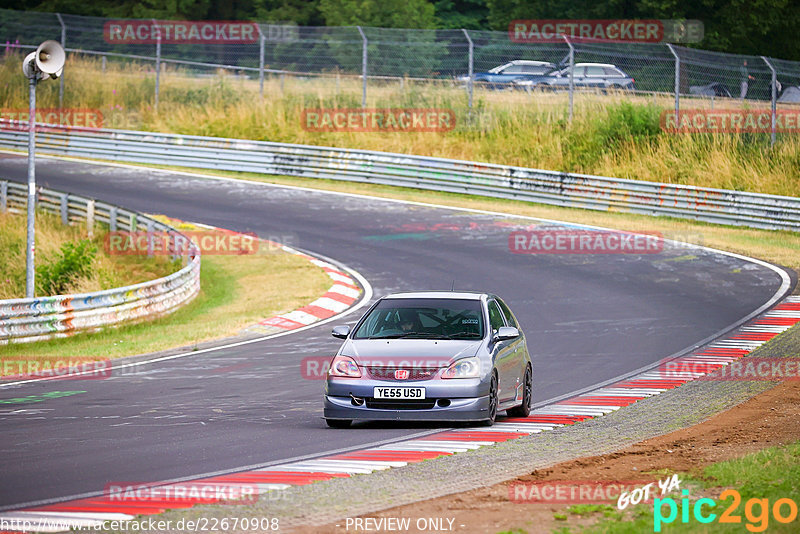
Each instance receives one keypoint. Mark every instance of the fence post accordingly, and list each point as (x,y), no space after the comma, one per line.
(471,67)
(571,74)
(64,46)
(112,219)
(365,42)
(3,196)
(677,84)
(158,60)
(261,62)
(773,99)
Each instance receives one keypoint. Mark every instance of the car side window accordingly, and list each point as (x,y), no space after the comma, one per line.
(612,72)
(595,71)
(513,69)
(495,316)
(507,312)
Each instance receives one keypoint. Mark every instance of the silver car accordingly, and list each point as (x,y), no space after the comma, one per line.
(430,356)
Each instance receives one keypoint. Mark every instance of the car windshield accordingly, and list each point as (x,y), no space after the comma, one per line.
(423,319)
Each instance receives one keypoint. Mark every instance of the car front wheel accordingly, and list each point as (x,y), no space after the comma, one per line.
(493,402)
(524,409)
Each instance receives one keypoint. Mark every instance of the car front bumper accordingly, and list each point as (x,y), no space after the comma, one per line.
(448,400)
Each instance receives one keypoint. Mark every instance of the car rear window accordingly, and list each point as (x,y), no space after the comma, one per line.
(423,318)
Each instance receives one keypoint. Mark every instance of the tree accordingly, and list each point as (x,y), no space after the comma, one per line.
(378,13)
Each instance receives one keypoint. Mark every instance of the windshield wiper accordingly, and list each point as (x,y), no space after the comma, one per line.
(465,334)
(411,334)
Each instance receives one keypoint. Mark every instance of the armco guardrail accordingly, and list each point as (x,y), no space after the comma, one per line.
(438,174)
(23,320)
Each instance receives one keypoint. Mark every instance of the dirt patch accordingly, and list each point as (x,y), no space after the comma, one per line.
(766,420)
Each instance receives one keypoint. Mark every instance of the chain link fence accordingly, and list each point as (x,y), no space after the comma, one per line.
(463,58)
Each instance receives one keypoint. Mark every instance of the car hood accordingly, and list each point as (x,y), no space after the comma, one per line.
(409,352)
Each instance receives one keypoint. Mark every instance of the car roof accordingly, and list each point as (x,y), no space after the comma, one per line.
(595,65)
(460,295)
(529,62)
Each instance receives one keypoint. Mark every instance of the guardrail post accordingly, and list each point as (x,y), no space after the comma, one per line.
(103,61)
(133,225)
(773,99)
(149,237)
(158,60)
(65,208)
(64,46)
(90,218)
(677,84)
(3,196)
(364,44)
(571,73)
(112,219)
(471,71)
(260,61)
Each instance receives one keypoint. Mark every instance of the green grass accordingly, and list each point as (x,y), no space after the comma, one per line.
(770,474)
(103,271)
(613,134)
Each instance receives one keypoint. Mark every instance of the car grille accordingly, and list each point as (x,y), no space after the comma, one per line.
(405,404)
(414,373)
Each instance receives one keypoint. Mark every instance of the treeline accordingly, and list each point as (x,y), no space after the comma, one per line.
(741,26)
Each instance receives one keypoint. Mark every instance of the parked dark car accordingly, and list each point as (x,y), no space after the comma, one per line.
(600,75)
(710,89)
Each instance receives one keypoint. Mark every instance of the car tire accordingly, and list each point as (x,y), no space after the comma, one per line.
(524,409)
(493,402)
(338,423)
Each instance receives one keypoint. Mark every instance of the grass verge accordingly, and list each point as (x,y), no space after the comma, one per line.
(611,134)
(236,291)
(67,260)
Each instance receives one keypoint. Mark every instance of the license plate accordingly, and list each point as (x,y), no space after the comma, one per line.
(398,393)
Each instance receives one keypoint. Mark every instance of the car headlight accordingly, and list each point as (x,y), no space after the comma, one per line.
(466,368)
(344,366)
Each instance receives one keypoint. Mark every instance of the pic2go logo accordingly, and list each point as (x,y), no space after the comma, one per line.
(756,511)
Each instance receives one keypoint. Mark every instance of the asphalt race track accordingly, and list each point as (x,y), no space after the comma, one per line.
(589,318)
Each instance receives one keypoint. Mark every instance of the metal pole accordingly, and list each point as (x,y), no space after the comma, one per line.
(30,270)
(363,67)
(773,99)
(471,72)
(571,74)
(158,60)
(64,46)
(261,62)
(677,85)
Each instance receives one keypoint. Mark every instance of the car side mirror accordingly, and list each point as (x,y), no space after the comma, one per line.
(506,332)
(341,332)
